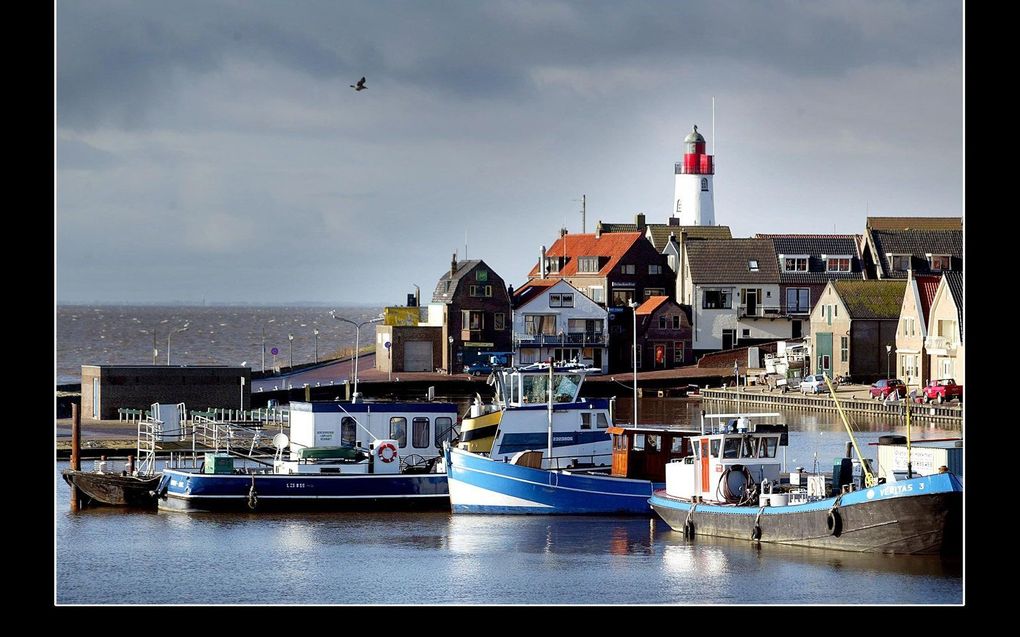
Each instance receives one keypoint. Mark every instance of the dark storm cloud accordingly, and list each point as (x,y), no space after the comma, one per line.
(118,59)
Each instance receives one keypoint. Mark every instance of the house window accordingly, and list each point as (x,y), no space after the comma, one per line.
(398,430)
(655,269)
(678,352)
(488,290)
(444,430)
(676,322)
(552,264)
(540,324)
(420,432)
(746,333)
(900,262)
(798,300)
(795,264)
(837,264)
(649,292)
(662,322)
(561,300)
(704,184)
(499,321)
(472,319)
(844,349)
(622,297)
(717,299)
(588,264)
(628,269)
(597,293)
(939,262)
(678,206)
(481,275)
(752,265)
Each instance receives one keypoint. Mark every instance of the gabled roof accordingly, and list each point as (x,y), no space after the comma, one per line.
(954,281)
(815,245)
(917,243)
(726,261)
(463,267)
(611,245)
(915,223)
(531,289)
(660,233)
(651,304)
(871,299)
(927,285)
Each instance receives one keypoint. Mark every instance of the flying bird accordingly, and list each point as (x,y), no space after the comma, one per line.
(360,86)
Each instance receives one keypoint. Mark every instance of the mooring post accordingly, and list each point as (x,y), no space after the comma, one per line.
(131,465)
(75,453)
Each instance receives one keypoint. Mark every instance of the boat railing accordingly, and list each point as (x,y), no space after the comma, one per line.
(574,461)
(225,436)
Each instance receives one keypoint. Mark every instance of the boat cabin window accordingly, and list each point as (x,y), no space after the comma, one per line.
(585,421)
(678,446)
(566,387)
(620,442)
(535,387)
(601,421)
(444,430)
(731,449)
(748,447)
(768,447)
(639,442)
(652,443)
(348,431)
(420,432)
(398,430)
(697,449)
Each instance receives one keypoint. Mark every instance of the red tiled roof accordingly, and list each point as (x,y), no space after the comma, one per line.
(611,244)
(535,283)
(926,286)
(650,304)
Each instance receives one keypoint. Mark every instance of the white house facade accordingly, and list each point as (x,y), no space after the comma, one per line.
(556,320)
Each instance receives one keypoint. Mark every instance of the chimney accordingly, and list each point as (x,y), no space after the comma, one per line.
(674,221)
(563,231)
(598,230)
(542,264)
(640,221)
(453,265)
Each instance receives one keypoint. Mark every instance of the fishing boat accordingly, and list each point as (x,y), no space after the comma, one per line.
(730,487)
(360,455)
(500,471)
(106,486)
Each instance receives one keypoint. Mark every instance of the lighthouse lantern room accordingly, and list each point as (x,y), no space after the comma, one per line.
(692,196)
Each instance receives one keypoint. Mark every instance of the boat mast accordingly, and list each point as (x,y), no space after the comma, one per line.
(550,445)
(869,480)
(910,469)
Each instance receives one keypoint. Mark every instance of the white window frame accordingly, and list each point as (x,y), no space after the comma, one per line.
(796,257)
(654,269)
(829,258)
(597,293)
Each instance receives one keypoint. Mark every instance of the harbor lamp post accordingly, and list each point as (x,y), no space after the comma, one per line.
(633,309)
(888,355)
(290,337)
(450,366)
(357,341)
(316,333)
(169,334)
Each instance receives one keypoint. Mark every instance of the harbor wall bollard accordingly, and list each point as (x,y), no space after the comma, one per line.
(75,453)
(131,465)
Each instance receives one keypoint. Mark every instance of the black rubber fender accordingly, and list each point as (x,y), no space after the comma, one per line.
(834,522)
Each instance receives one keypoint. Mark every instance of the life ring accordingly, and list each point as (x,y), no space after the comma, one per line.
(834,522)
(382,448)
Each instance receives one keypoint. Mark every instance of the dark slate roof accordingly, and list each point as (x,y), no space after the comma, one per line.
(463,267)
(917,243)
(660,233)
(915,223)
(954,280)
(871,299)
(815,245)
(726,261)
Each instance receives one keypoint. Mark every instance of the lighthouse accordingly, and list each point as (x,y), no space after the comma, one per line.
(692,196)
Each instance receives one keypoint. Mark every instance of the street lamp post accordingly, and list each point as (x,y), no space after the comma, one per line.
(450,366)
(357,342)
(169,334)
(263,349)
(633,308)
(888,356)
(316,333)
(290,337)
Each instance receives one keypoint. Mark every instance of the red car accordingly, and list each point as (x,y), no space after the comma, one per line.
(942,390)
(886,386)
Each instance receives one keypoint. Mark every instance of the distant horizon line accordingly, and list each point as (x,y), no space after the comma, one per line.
(218,304)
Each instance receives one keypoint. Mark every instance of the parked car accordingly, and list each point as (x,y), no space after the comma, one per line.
(942,390)
(813,384)
(478,368)
(886,386)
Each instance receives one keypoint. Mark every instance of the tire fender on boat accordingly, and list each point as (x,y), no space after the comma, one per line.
(834,522)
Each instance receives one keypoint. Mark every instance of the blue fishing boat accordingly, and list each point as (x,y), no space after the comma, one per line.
(329,462)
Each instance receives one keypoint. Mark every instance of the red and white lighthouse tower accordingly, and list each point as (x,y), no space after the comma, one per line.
(692,196)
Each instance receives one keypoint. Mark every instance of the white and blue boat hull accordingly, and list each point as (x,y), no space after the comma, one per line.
(481,485)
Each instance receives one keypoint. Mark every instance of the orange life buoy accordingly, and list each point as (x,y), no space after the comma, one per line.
(383,447)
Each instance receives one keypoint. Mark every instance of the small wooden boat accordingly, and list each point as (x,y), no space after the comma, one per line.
(115,489)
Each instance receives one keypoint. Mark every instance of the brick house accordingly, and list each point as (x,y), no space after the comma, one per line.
(664,334)
(475,308)
(891,246)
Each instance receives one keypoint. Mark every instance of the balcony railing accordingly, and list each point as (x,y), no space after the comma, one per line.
(551,340)
(940,342)
(760,311)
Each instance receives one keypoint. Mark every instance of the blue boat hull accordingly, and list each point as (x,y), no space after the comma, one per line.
(920,516)
(199,491)
(480,485)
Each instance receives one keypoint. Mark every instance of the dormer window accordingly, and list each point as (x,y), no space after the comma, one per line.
(900,262)
(795,262)
(752,265)
(939,262)
(552,264)
(837,263)
(588,264)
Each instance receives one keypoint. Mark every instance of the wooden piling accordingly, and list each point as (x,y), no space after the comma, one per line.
(75,454)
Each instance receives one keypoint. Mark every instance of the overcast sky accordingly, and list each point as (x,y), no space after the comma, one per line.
(214,150)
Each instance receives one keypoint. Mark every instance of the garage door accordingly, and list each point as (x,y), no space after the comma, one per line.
(418,356)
